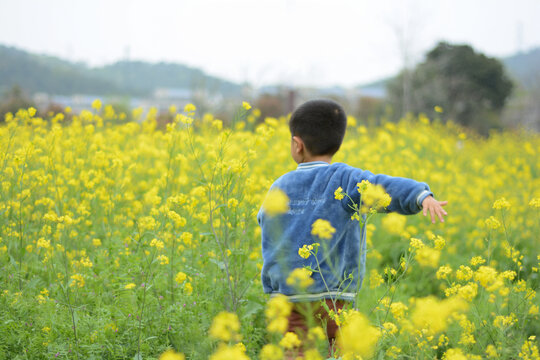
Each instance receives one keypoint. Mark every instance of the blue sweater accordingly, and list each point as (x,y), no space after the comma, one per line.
(310,189)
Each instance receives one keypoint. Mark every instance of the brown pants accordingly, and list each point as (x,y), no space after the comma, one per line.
(299,324)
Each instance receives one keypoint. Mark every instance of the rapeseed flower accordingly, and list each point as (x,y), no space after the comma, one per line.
(171,355)
(276,202)
(290,341)
(271,352)
(323,229)
(338,194)
(300,278)
(349,340)
(225,327)
(432,315)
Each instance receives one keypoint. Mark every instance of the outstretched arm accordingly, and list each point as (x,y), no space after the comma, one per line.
(435,208)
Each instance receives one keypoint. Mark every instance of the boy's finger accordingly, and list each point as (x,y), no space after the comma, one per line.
(440,214)
(443,203)
(432,214)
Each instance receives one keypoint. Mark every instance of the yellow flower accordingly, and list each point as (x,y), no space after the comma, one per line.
(464,273)
(188,288)
(502,321)
(163,260)
(454,354)
(290,341)
(477,260)
(158,244)
(225,352)
(338,194)
(96,242)
(535,203)
(323,229)
(492,223)
(432,315)
(349,340)
(394,223)
(443,272)
(225,327)
(78,280)
(171,355)
(96,104)
(304,251)
(129,286)
(180,277)
(276,202)
(271,352)
(427,256)
(375,279)
(300,278)
(316,334)
(501,203)
(42,243)
(278,306)
(373,196)
(246,105)
(189,108)
(438,109)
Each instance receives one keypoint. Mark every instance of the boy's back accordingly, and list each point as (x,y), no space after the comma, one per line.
(310,190)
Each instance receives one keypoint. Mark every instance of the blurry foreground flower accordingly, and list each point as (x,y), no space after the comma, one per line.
(96,104)
(225,327)
(357,337)
(438,109)
(323,229)
(271,352)
(225,352)
(290,341)
(276,202)
(246,105)
(432,315)
(171,355)
(300,278)
(277,311)
(189,108)
(373,196)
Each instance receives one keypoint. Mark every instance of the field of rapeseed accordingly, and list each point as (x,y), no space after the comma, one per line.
(126,240)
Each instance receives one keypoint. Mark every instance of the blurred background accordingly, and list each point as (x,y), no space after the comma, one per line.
(473,62)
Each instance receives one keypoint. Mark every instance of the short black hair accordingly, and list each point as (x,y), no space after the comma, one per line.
(321,125)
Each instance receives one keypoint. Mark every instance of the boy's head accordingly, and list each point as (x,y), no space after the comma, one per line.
(321,125)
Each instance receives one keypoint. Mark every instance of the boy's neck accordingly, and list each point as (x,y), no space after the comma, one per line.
(310,158)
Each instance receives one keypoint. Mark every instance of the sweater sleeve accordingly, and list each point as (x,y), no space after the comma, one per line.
(407,194)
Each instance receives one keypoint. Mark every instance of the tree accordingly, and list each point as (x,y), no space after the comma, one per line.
(470,87)
(12,101)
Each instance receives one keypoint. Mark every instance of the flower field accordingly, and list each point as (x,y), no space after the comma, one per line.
(131,240)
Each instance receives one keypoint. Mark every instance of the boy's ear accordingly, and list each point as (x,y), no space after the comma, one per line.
(299,144)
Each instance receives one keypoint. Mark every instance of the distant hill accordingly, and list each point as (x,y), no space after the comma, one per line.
(142,77)
(39,73)
(525,67)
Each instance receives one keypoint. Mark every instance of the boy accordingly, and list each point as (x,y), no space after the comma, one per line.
(317,129)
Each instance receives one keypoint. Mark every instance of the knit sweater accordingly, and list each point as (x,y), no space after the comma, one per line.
(310,189)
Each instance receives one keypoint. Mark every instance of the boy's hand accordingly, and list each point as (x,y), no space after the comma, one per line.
(434,207)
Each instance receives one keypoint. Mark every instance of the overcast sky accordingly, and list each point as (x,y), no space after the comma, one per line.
(297,42)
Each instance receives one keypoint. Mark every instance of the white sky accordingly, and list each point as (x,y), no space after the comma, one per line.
(296,42)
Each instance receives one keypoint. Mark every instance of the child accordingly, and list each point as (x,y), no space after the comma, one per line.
(317,129)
